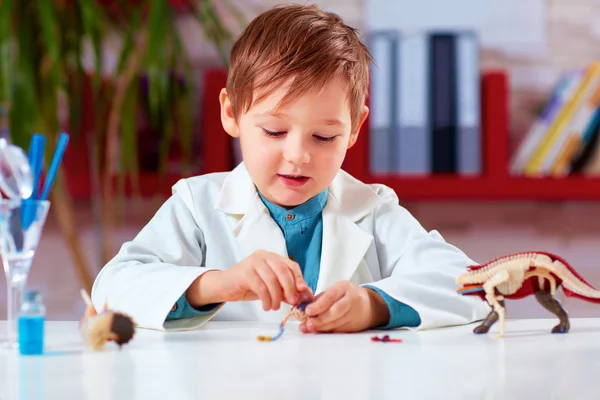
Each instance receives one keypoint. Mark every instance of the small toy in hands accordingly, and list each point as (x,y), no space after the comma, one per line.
(385,339)
(518,275)
(298,313)
(97,329)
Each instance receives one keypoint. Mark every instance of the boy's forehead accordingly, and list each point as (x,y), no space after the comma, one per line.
(284,115)
(273,98)
(270,95)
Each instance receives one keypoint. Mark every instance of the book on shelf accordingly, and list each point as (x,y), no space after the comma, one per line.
(561,141)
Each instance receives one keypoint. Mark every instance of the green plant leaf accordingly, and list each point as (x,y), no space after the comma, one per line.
(237,12)
(129,158)
(213,28)
(6,50)
(42,45)
(92,20)
(185,128)
(158,21)
(49,70)
(24,112)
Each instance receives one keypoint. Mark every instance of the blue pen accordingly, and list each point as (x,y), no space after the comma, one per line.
(61,146)
(36,160)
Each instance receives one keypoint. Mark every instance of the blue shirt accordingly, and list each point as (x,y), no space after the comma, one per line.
(302,228)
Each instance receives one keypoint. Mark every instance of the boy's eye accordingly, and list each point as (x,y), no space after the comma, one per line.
(271,133)
(324,139)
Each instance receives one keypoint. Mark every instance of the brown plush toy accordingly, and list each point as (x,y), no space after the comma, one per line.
(109,325)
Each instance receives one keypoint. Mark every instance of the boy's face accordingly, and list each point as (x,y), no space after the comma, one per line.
(294,153)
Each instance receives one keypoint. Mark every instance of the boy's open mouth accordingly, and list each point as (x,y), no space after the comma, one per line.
(293,180)
(293,176)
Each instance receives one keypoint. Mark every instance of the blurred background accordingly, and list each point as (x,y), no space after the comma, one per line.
(484,119)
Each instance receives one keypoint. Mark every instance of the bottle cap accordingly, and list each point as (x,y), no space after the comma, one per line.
(32,295)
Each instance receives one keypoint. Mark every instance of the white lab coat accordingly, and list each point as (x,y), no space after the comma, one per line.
(216,220)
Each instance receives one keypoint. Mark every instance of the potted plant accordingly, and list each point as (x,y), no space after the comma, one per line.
(50,49)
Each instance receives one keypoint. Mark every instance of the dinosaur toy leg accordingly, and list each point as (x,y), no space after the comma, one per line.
(553,305)
(542,277)
(493,299)
(489,321)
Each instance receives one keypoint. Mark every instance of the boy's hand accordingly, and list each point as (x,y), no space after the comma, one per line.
(263,276)
(345,307)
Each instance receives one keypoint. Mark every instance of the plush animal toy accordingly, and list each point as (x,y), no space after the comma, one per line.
(97,329)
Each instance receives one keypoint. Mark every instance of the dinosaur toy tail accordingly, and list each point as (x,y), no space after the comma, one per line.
(588,293)
(573,284)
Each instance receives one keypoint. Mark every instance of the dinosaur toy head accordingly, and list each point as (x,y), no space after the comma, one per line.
(471,277)
(471,282)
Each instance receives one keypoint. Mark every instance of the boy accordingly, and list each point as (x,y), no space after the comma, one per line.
(287,225)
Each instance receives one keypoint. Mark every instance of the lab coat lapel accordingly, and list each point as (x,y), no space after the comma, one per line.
(258,231)
(344,242)
(252,227)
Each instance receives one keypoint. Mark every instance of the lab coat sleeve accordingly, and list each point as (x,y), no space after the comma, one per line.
(183,309)
(420,268)
(151,272)
(401,315)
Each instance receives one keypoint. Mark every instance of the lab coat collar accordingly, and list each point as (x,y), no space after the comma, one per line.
(354,198)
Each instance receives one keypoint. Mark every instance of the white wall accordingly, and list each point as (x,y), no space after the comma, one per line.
(515,26)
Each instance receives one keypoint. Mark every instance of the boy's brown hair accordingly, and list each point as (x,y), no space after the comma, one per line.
(301,42)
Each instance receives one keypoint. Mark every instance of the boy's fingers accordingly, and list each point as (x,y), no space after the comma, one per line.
(324,301)
(296,272)
(332,317)
(286,281)
(344,327)
(330,326)
(302,286)
(270,279)
(294,267)
(306,295)
(303,328)
(303,290)
(257,285)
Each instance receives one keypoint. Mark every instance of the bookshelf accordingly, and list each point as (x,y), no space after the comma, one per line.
(495,183)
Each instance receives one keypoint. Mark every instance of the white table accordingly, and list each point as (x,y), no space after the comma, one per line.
(225,361)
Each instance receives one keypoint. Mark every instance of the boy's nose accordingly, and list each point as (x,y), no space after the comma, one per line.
(296,153)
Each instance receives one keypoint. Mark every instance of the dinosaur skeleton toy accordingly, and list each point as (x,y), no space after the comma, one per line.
(519,275)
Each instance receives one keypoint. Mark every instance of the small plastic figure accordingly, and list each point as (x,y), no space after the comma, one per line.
(97,329)
(385,339)
(297,312)
(518,275)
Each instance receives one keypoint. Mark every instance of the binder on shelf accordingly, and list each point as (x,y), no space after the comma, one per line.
(383,48)
(443,109)
(468,141)
(413,150)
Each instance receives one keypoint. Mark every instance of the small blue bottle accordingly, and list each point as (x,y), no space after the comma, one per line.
(31,319)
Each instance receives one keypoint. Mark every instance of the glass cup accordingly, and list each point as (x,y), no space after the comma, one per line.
(21,225)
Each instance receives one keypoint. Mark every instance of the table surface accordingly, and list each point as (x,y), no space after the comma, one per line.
(225,361)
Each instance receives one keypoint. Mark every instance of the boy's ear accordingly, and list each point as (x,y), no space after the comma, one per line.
(361,121)
(227,119)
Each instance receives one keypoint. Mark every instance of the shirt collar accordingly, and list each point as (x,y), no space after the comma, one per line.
(301,212)
(353,198)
